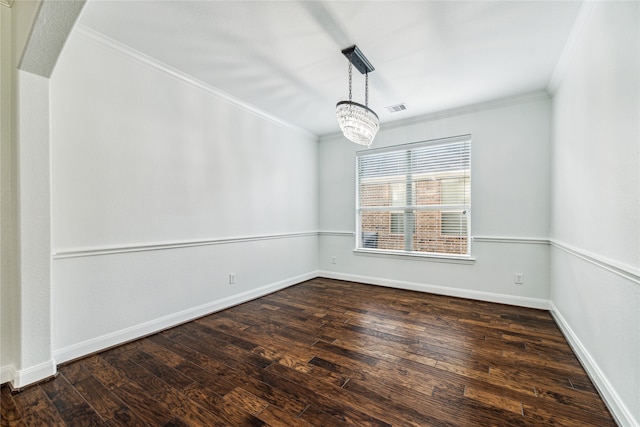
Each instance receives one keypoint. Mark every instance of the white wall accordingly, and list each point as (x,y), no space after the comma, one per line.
(161,188)
(595,222)
(510,204)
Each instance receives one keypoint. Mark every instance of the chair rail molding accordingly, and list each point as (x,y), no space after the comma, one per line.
(145,247)
(622,270)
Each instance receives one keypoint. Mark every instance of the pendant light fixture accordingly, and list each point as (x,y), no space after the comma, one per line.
(358,122)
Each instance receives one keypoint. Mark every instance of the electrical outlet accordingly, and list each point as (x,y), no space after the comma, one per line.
(518,279)
(232,278)
(333,260)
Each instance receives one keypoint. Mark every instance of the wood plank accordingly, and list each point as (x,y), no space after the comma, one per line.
(125,417)
(63,395)
(222,378)
(471,412)
(82,415)
(101,399)
(245,400)
(109,376)
(231,413)
(336,406)
(151,410)
(348,404)
(276,417)
(10,411)
(501,402)
(28,402)
(547,413)
(44,418)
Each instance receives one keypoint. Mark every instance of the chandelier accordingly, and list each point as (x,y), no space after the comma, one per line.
(358,122)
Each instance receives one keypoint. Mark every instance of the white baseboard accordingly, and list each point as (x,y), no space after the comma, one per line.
(618,409)
(538,303)
(23,377)
(138,331)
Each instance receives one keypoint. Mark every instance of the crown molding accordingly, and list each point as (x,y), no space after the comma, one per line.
(92,35)
(458,111)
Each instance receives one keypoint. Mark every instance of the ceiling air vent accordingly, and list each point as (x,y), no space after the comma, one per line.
(396,108)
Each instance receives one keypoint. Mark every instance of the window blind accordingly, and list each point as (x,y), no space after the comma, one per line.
(415,197)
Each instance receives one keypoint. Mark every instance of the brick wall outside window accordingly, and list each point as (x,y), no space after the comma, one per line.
(428,235)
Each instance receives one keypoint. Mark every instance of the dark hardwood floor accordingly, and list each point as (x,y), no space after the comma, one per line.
(329,353)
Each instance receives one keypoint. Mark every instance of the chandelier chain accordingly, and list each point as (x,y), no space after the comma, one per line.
(350,76)
(366,89)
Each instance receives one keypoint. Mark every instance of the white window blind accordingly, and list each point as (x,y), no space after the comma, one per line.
(416,197)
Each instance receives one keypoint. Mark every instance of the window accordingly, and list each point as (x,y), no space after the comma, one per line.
(415,198)
(397,223)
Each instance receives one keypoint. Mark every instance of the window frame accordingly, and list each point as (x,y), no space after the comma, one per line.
(360,248)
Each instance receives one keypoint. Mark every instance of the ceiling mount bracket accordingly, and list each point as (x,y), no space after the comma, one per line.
(358,59)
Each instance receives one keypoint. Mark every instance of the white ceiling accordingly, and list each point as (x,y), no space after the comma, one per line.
(283,57)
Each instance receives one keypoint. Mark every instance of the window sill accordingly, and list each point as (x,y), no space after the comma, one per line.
(454,259)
